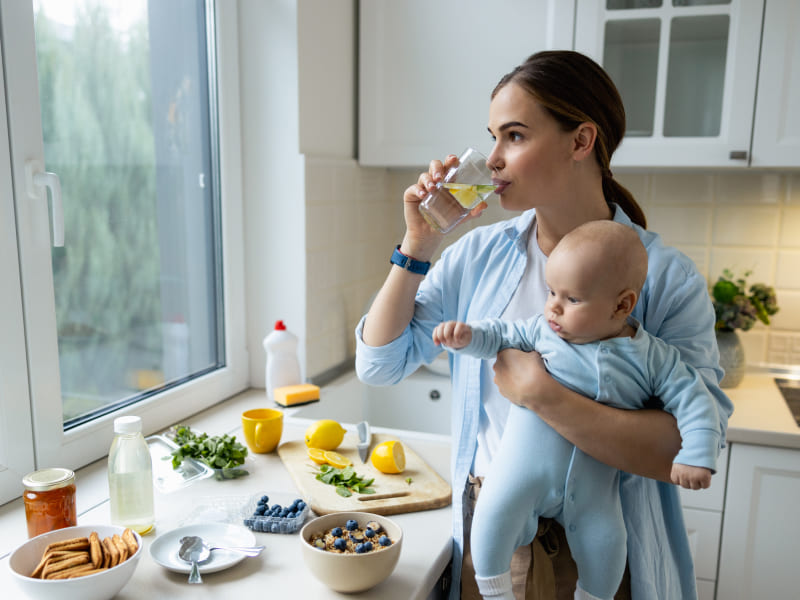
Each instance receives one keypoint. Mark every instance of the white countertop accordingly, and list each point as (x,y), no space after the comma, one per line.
(280,568)
(760,414)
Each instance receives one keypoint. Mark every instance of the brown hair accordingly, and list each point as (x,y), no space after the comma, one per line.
(574,89)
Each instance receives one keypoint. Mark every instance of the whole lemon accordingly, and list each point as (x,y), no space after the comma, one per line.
(389,457)
(325,434)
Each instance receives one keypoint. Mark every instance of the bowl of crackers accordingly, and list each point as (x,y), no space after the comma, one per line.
(87,562)
(351,551)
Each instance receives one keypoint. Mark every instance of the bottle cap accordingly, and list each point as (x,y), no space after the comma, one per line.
(279,326)
(130,424)
(48,479)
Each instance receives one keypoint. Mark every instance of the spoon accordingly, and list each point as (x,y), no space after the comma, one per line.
(195,550)
(192,551)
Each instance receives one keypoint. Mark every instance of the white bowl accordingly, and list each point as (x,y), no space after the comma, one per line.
(350,573)
(99,586)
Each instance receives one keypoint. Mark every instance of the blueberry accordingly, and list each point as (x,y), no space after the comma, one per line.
(367,546)
(301,505)
(361,548)
(385,541)
(369,532)
(260,509)
(374,525)
(264,500)
(291,515)
(340,544)
(277,507)
(249,522)
(336,532)
(276,528)
(351,524)
(357,537)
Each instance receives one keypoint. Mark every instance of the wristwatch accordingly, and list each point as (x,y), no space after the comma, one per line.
(409,264)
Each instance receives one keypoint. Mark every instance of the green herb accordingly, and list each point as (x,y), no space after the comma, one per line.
(409,480)
(222,453)
(346,480)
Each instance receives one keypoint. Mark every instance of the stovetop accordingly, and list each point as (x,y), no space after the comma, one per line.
(790,389)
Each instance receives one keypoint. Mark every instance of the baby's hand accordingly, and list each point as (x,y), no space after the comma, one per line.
(692,478)
(454,334)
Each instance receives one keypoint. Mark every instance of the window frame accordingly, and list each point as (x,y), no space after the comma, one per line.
(89,441)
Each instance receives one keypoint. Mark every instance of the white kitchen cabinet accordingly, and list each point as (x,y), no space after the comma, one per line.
(687,72)
(776,132)
(761,532)
(427,69)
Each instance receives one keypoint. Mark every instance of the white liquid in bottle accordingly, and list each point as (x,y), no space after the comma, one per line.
(130,477)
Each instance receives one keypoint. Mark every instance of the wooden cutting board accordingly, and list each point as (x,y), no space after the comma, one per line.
(392,495)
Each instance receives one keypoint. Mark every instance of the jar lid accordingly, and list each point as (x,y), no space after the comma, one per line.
(130,424)
(48,479)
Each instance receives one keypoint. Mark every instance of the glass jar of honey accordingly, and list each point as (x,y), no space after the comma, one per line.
(49,500)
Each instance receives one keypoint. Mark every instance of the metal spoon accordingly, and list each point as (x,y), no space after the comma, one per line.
(193,545)
(193,551)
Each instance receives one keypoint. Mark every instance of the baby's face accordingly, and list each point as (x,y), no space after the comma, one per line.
(581,302)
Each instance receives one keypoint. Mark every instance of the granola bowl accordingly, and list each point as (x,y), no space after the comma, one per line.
(350,571)
(98,586)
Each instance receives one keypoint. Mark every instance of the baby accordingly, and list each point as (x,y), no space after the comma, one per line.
(589,343)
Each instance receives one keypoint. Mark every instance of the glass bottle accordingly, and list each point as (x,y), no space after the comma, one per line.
(130,477)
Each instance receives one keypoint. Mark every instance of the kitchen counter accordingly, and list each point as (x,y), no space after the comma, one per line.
(280,570)
(761,416)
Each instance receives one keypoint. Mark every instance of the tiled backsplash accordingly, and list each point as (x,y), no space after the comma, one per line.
(738,220)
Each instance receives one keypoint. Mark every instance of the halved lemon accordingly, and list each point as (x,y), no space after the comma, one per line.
(317,455)
(389,457)
(335,459)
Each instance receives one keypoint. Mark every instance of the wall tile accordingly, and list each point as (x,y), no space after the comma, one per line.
(749,188)
(745,226)
(689,225)
(793,193)
(755,345)
(739,260)
(787,272)
(788,318)
(790,228)
(682,188)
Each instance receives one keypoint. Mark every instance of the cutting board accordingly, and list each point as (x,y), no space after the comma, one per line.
(393,494)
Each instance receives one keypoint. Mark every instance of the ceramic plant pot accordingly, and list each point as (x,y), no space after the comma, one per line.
(731,358)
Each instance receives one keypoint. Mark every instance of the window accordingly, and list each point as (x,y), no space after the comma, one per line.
(140,310)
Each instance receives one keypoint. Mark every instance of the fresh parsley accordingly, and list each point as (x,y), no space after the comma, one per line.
(346,480)
(221,453)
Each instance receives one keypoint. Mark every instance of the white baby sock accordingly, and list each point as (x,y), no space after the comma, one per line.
(497,587)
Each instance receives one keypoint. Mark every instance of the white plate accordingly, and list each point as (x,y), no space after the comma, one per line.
(164,548)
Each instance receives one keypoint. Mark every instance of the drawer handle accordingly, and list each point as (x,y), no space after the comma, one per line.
(738,155)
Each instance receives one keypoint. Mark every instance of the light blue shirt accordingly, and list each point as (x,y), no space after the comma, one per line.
(475,279)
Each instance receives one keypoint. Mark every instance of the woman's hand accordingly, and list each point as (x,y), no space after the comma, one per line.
(421,240)
(643,442)
(522,377)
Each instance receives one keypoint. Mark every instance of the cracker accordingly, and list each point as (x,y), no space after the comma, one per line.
(130,541)
(95,550)
(64,564)
(111,548)
(121,546)
(79,543)
(76,571)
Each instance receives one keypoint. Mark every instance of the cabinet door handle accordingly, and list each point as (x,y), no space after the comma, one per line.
(738,155)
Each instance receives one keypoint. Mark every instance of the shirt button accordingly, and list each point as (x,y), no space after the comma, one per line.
(572,528)
(572,497)
(607,378)
(604,350)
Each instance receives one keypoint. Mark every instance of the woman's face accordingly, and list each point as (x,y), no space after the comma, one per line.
(532,156)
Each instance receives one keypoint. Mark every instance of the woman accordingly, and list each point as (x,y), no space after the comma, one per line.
(556,121)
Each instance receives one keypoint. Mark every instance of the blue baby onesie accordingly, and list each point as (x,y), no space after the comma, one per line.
(537,473)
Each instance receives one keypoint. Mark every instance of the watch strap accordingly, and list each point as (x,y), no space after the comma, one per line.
(409,264)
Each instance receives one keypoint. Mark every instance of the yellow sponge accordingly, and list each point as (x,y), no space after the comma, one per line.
(292,395)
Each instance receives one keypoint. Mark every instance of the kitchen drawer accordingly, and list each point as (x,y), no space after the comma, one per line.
(713,497)
(705,589)
(703,527)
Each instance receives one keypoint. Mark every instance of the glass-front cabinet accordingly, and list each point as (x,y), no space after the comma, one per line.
(687,72)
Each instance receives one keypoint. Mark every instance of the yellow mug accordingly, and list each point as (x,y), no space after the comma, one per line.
(262,429)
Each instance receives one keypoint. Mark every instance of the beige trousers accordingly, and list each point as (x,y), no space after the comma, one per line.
(543,570)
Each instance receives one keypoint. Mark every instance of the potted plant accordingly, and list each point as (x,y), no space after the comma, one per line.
(738,307)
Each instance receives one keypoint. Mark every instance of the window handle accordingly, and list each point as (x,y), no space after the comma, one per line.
(37,177)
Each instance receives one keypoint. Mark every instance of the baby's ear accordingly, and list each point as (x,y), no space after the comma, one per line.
(626,300)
